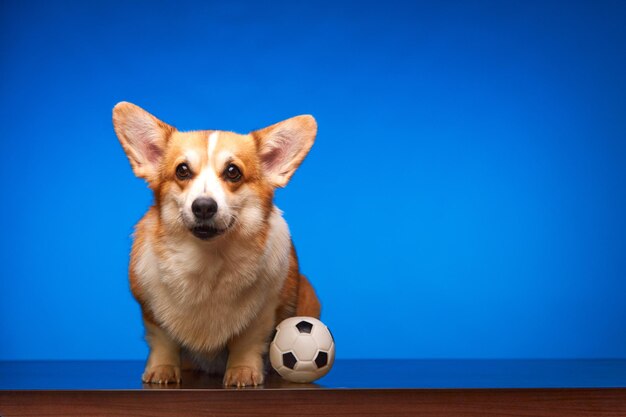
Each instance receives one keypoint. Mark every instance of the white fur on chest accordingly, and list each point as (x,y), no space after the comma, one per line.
(204,295)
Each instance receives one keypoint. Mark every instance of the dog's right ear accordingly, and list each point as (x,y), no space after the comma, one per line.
(143,138)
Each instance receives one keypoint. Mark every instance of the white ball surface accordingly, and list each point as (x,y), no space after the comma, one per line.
(303,349)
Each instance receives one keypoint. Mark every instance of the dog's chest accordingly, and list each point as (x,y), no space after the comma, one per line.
(203,299)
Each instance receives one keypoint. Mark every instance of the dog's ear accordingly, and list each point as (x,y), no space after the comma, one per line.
(143,138)
(283,146)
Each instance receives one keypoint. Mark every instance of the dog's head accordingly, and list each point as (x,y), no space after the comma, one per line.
(209,182)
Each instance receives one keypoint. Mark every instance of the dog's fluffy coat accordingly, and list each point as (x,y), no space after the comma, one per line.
(214,303)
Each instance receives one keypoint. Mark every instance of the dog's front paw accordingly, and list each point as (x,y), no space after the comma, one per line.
(241,376)
(161,374)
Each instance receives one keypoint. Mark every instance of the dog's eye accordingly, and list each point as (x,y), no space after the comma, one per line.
(232,173)
(183,172)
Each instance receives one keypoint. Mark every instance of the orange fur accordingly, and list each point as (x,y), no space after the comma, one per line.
(229,292)
(297,296)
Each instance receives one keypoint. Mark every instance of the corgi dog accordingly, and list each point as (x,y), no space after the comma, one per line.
(212,263)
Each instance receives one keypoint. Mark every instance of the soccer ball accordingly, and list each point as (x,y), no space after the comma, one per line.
(303,349)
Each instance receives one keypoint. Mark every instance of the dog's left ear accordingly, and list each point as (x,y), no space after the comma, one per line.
(143,137)
(283,146)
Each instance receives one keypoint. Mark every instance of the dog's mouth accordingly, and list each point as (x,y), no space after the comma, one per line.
(206,232)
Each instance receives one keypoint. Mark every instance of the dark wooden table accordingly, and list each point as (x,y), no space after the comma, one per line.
(353,387)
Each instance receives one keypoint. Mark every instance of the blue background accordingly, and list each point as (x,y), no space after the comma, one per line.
(465,198)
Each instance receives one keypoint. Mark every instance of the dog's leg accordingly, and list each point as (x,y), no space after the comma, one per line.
(308,303)
(163,365)
(246,350)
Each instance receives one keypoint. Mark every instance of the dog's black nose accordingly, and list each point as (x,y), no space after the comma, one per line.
(204,208)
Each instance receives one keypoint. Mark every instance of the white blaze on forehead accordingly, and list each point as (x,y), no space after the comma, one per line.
(207,183)
(212,184)
(211,146)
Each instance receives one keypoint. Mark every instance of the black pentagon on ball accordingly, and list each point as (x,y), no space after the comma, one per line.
(322,359)
(304,327)
(289,360)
